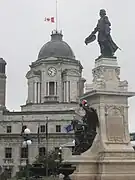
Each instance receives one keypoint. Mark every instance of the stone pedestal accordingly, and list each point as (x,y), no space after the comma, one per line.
(111,156)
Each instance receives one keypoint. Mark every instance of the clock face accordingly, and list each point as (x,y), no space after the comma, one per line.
(52,71)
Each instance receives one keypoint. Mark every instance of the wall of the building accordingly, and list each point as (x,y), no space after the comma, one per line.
(38,107)
(49,107)
(32,121)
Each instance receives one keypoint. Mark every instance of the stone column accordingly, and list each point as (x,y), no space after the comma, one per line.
(30,92)
(43,86)
(55,89)
(35,92)
(67,89)
(39,92)
(48,89)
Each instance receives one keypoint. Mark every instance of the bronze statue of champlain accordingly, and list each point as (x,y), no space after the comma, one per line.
(107,45)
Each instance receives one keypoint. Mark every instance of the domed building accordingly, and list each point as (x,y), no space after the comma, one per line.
(56,48)
(54,85)
(54,73)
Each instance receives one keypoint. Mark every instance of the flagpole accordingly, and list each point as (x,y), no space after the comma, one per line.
(56,15)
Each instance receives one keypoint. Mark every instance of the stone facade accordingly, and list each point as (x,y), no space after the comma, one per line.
(54,85)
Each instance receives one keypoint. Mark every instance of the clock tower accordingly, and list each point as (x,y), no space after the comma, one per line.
(56,76)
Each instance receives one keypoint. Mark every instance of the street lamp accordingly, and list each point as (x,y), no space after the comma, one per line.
(58,160)
(60,154)
(65,168)
(46,136)
(27,142)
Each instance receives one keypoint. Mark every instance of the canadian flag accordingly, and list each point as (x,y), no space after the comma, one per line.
(51,19)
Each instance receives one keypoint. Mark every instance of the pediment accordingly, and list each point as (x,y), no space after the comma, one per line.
(71,72)
(33,73)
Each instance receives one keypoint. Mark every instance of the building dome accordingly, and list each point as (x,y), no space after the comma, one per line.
(56,48)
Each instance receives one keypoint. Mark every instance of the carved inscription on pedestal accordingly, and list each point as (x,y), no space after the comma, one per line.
(115,125)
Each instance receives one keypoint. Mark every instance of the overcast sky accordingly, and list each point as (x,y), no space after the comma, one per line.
(23,32)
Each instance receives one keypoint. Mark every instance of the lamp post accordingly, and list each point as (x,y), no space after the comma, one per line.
(60,154)
(58,160)
(27,142)
(46,146)
(65,168)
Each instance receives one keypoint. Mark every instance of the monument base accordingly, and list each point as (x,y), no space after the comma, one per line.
(109,166)
(111,156)
(107,177)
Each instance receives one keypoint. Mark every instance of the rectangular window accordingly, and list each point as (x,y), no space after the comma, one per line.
(58,128)
(24,152)
(8,152)
(42,128)
(9,129)
(51,88)
(42,151)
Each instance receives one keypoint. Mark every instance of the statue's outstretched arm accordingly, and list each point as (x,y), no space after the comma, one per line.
(95,30)
(92,36)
